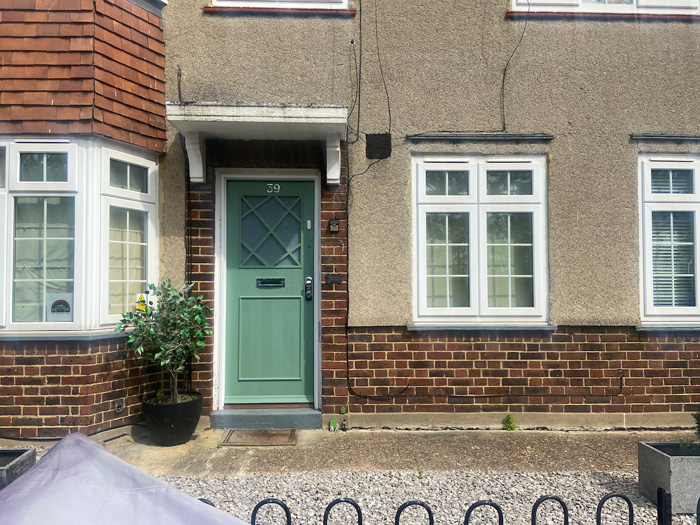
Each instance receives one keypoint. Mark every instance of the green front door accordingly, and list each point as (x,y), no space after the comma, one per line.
(270,291)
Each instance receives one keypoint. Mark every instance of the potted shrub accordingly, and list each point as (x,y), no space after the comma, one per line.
(673,466)
(169,329)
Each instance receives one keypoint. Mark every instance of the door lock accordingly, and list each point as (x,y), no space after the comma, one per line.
(309,288)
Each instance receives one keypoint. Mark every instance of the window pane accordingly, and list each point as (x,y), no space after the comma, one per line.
(509,264)
(521,183)
(499,292)
(59,259)
(459,292)
(521,228)
(447,256)
(609,2)
(56,167)
(673,258)
(29,217)
(497,228)
(138,180)
(437,292)
(29,256)
(435,228)
(127,258)
(117,296)
(137,226)
(31,167)
(44,264)
(3,157)
(458,228)
(435,183)
(28,301)
(128,176)
(672,181)
(43,167)
(522,292)
(458,183)
(118,174)
(459,260)
(497,183)
(436,260)
(60,217)
(497,260)
(117,224)
(509,183)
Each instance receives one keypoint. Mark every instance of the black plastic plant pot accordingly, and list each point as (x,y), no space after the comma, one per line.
(173,424)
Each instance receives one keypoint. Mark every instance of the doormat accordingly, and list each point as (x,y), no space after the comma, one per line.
(281,437)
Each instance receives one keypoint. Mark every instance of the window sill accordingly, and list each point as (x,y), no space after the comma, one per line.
(279,11)
(632,17)
(482,328)
(87,336)
(668,328)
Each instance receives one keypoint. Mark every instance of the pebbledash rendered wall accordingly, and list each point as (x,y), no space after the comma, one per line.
(77,68)
(589,82)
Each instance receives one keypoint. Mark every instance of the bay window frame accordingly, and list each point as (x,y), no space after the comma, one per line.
(130,200)
(478,204)
(3,242)
(86,161)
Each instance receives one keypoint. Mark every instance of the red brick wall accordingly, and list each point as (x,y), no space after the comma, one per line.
(201,227)
(48,389)
(82,66)
(572,370)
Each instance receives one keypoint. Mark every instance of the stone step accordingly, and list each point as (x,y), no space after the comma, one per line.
(302,418)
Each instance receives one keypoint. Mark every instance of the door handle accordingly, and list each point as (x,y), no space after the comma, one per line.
(309,288)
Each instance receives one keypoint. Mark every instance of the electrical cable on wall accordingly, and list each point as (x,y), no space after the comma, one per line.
(505,71)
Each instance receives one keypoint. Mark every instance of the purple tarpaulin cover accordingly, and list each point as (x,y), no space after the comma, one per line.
(79,483)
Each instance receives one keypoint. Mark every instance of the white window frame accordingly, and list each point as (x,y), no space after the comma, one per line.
(88,161)
(652,202)
(151,251)
(108,154)
(130,200)
(17,148)
(478,204)
(4,219)
(283,4)
(650,7)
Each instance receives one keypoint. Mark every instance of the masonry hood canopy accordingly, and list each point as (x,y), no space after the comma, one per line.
(197,122)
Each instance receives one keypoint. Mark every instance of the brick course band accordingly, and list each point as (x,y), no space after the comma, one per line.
(572,370)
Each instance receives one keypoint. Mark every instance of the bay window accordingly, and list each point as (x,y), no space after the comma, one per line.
(669,226)
(480,241)
(78,232)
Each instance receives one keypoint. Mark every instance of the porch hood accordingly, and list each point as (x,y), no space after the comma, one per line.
(199,121)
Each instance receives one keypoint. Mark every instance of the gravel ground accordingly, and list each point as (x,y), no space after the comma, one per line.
(449,495)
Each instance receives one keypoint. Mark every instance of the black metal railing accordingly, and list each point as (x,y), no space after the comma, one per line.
(663,508)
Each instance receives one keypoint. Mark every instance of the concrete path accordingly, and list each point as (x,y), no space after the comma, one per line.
(320,450)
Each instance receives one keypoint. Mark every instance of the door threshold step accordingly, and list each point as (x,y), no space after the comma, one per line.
(301,418)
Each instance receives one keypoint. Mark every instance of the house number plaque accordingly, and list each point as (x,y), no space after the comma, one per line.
(273,188)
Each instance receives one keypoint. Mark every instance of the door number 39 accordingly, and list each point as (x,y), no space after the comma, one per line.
(273,188)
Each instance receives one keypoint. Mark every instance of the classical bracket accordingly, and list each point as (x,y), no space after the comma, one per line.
(195,154)
(332,160)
